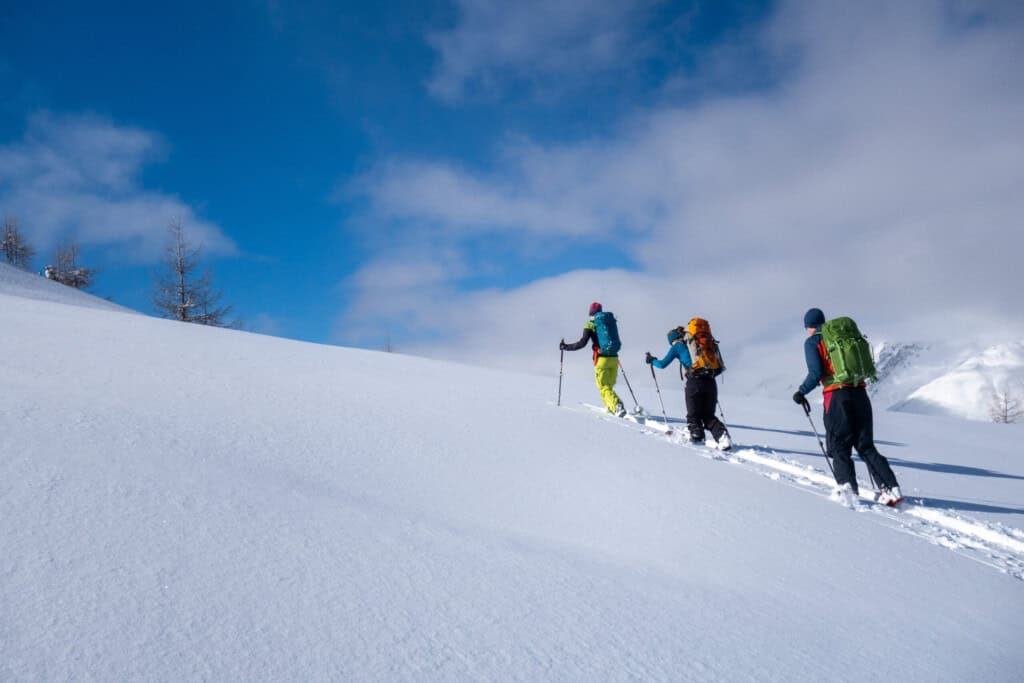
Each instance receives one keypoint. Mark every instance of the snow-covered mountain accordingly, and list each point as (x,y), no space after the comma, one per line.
(903,367)
(968,389)
(946,380)
(185,503)
(927,378)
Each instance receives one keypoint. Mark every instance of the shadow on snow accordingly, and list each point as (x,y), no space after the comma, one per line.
(964,505)
(945,468)
(802,432)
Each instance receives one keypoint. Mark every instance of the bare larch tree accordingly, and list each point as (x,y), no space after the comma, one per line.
(183,292)
(1005,406)
(68,271)
(13,246)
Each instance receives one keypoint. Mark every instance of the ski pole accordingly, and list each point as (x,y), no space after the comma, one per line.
(561,367)
(636,405)
(807,411)
(663,413)
(871,473)
(722,413)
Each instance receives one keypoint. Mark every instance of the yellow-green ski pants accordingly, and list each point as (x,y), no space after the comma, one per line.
(606,371)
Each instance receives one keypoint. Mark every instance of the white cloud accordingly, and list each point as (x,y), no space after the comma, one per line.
(399,294)
(532,39)
(79,177)
(538,191)
(880,178)
(264,323)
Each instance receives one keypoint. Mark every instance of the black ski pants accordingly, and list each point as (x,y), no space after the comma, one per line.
(701,399)
(849,424)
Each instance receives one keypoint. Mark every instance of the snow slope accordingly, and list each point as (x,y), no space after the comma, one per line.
(184,503)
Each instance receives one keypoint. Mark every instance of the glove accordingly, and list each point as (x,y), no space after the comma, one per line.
(648,358)
(561,345)
(799,399)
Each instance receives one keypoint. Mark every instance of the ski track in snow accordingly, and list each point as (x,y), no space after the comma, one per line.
(992,544)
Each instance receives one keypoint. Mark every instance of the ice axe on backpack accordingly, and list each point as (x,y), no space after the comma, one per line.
(637,408)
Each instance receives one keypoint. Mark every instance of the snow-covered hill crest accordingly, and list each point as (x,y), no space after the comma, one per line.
(21,283)
(187,503)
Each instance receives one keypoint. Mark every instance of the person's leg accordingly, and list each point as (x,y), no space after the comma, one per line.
(693,410)
(710,404)
(839,437)
(864,438)
(606,371)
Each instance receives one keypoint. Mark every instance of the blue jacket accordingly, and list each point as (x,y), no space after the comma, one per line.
(676,351)
(815,367)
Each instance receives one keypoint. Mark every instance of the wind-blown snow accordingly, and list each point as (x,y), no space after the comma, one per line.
(185,503)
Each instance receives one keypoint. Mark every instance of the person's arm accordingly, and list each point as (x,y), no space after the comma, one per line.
(588,334)
(815,368)
(684,355)
(672,354)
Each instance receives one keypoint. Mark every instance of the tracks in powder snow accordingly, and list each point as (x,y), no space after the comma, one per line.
(991,544)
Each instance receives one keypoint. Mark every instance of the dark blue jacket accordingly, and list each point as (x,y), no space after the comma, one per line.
(815,367)
(677,351)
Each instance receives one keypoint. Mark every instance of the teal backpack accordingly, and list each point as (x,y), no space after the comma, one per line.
(607,333)
(848,352)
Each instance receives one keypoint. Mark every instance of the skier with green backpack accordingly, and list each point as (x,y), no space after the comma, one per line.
(840,359)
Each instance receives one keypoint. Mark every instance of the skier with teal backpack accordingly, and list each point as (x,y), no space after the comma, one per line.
(602,333)
(840,359)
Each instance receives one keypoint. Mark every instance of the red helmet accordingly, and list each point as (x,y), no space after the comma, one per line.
(595,308)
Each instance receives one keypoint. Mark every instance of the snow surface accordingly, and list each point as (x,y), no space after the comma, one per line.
(184,503)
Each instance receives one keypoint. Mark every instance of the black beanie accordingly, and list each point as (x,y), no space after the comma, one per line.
(814,318)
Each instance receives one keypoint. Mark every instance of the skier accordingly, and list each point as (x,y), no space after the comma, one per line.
(606,359)
(848,419)
(701,392)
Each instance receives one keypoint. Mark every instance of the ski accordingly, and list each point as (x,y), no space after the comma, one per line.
(639,418)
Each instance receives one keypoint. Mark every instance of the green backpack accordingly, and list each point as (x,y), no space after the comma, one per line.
(848,352)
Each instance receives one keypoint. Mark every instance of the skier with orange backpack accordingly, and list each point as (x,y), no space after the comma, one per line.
(697,351)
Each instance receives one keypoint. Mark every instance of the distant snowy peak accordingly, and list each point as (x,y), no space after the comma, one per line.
(1003,356)
(903,367)
(942,378)
(968,389)
(894,357)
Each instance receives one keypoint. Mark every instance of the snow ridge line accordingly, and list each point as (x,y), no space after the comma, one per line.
(935,526)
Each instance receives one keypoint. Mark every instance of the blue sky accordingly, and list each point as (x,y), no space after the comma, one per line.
(265,111)
(433,172)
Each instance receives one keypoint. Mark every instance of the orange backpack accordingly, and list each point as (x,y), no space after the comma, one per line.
(705,357)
